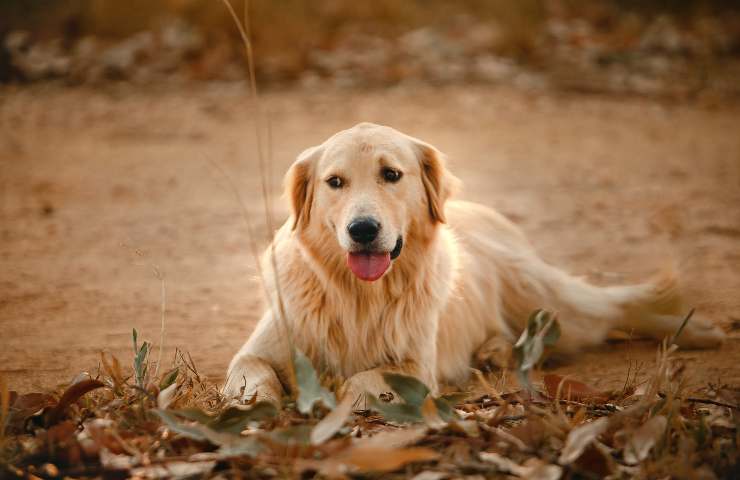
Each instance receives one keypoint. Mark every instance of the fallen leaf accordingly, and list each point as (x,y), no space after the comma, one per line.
(70,396)
(293,435)
(542,331)
(502,463)
(310,390)
(25,406)
(536,469)
(581,437)
(411,389)
(365,458)
(165,397)
(174,470)
(596,461)
(396,412)
(533,469)
(396,438)
(332,422)
(644,439)
(430,475)
(230,444)
(572,390)
(430,414)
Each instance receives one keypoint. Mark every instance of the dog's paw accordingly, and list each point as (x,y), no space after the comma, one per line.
(494,354)
(700,332)
(369,382)
(250,379)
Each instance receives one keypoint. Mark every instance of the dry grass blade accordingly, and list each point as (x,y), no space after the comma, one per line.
(263,168)
(682,326)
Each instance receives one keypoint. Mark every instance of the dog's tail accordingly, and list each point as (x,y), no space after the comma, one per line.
(588,312)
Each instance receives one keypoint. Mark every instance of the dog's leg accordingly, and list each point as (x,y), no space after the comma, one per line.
(256,368)
(494,353)
(699,332)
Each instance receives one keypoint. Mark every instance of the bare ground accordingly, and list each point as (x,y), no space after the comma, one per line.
(611,188)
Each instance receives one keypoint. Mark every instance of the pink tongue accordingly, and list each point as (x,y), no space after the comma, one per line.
(368,266)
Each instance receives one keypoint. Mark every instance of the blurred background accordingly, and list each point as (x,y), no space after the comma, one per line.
(608,130)
(677,48)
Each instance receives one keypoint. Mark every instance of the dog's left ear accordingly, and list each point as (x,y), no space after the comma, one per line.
(299,185)
(439,183)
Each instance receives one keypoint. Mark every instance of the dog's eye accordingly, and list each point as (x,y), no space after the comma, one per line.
(334,182)
(391,175)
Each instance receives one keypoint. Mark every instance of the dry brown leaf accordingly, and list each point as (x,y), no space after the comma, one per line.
(533,469)
(331,423)
(71,395)
(596,461)
(642,440)
(175,470)
(536,469)
(378,459)
(430,475)
(567,389)
(581,437)
(27,405)
(430,414)
(395,438)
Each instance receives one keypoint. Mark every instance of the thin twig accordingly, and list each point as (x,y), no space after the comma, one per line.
(683,324)
(713,402)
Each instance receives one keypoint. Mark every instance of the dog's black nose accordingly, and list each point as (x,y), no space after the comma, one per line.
(363,230)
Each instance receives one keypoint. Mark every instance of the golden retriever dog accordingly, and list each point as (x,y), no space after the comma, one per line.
(377,270)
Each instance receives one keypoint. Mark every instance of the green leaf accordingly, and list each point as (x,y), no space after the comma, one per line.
(396,412)
(411,389)
(230,444)
(141,364)
(235,419)
(189,431)
(294,435)
(169,378)
(231,420)
(445,410)
(310,390)
(542,331)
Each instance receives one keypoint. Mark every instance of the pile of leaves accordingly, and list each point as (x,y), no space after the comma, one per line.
(146,423)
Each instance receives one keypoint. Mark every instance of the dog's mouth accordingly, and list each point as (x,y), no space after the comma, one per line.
(369,265)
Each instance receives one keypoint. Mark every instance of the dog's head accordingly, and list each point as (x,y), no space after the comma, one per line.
(368,187)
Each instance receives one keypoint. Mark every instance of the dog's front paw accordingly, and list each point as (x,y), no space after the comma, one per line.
(252,379)
(700,332)
(359,385)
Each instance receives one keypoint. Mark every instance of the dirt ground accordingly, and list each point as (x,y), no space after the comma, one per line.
(612,188)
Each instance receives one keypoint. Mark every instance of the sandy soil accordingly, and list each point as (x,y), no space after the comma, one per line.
(611,188)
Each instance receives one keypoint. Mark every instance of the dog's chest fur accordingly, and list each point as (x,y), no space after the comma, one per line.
(346,326)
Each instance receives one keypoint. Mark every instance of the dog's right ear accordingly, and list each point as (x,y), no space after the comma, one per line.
(299,185)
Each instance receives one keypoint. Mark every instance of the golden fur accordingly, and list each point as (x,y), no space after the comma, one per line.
(466,279)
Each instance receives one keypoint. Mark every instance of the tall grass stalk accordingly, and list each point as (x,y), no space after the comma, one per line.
(265,176)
